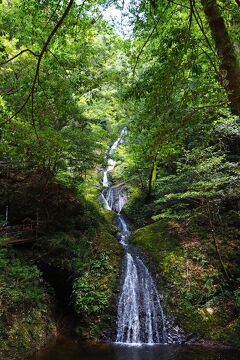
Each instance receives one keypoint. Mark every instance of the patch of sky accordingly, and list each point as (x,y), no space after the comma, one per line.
(119,16)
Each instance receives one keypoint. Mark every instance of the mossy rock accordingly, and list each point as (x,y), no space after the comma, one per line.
(159,236)
(95,290)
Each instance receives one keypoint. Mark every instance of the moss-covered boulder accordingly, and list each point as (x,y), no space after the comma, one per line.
(95,288)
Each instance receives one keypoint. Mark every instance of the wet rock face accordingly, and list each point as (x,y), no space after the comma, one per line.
(116,198)
(175,335)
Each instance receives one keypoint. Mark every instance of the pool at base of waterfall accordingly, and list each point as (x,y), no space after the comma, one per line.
(69,349)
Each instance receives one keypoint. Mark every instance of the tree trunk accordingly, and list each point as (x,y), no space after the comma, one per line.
(228,60)
(238,2)
(153,175)
(212,227)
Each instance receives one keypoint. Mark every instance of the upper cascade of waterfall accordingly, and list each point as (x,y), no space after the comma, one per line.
(111,163)
(105,178)
(116,197)
(123,224)
(119,140)
(124,231)
(104,202)
(141,317)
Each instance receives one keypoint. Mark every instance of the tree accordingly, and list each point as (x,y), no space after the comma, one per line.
(58,91)
(228,60)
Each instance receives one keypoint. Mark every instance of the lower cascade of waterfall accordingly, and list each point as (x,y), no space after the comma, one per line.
(141,318)
(140,314)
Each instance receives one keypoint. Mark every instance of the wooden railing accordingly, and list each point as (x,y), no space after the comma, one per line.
(20,234)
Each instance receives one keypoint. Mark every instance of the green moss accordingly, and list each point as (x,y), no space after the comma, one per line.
(76,239)
(160,235)
(95,286)
(92,260)
(138,209)
(232,331)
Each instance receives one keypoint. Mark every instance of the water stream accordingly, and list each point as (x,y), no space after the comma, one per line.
(141,318)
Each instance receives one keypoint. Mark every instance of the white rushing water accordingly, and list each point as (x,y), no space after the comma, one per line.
(140,314)
(141,318)
(105,178)
(111,164)
(104,202)
(119,140)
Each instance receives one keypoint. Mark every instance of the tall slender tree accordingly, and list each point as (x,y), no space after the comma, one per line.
(228,60)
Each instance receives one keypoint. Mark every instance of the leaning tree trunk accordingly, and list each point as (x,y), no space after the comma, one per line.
(153,175)
(228,60)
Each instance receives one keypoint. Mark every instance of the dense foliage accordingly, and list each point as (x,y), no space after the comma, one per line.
(56,113)
(25,317)
(69,81)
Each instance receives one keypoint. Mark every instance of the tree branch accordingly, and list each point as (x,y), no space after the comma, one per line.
(21,52)
(53,13)
(212,63)
(17,112)
(144,45)
(182,5)
(201,27)
(191,12)
(204,107)
(45,46)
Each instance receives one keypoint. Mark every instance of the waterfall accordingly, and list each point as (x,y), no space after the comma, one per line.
(111,164)
(140,314)
(105,178)
(119,140)
(116,198)
(141,317)
(123,223)
(128,327)
(104,202)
